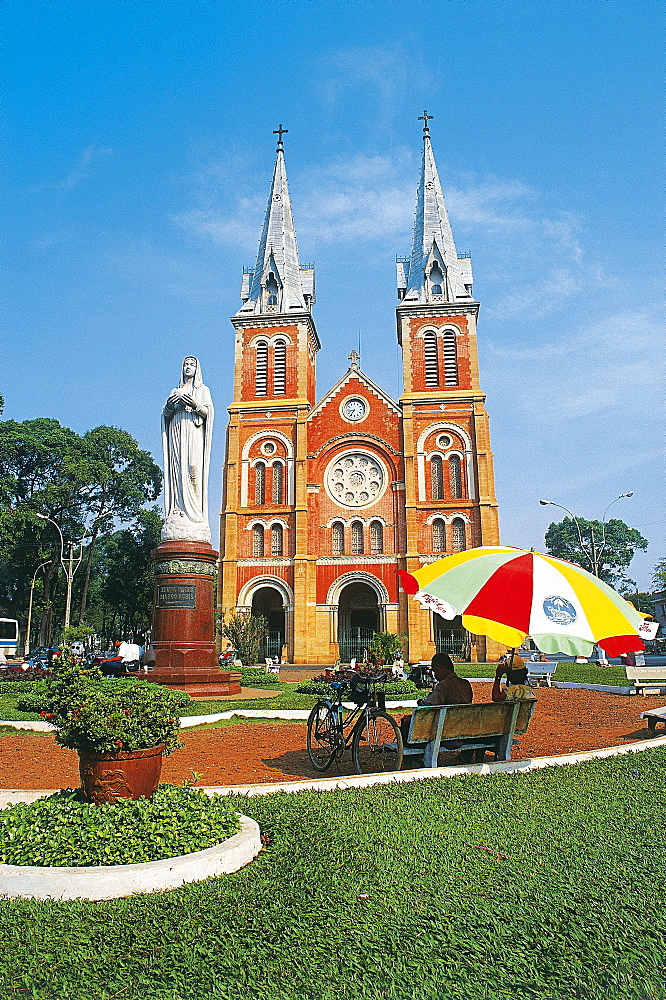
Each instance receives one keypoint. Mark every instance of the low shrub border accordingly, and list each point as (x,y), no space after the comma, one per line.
(106,882)
(63,830)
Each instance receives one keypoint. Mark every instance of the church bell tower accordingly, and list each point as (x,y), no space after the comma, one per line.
(264,516)
(450,500)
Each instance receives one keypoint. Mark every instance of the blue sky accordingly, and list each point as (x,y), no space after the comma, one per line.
(138,153)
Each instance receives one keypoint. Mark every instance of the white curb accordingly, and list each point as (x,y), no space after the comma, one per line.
(418,774)
(100,882)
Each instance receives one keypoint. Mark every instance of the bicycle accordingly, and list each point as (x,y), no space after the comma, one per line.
(375,737)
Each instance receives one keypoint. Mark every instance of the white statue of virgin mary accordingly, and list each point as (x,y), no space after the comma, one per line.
(187,427)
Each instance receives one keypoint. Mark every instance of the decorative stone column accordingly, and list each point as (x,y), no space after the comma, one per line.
(183,636)
(183,626)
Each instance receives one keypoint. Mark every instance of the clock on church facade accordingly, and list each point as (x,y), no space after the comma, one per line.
(326,499)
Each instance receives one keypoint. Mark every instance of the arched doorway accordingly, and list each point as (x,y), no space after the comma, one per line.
(451,636)
(267,603)
(358,620)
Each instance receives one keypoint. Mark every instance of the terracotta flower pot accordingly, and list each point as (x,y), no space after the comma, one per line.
(131,774)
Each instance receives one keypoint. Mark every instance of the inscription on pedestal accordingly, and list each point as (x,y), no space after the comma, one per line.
(176,595)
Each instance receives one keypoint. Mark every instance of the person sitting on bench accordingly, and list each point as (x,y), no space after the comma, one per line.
(449,690)
(517,688)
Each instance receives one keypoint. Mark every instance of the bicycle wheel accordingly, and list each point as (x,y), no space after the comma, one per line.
(377,744)
(322,736)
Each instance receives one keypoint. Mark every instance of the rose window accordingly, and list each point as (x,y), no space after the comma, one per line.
(355,480)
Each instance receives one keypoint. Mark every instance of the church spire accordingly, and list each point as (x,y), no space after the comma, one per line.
(434,272)
(278,283)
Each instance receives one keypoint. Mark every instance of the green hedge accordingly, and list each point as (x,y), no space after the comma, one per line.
(61,830)
(255,677)
(392,689)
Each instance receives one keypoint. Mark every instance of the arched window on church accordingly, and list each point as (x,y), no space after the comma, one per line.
(436,279)
(450,358)
(258,541)
(338,538)
(455,477)
(458,533)
(436,477)
(261,376)
(278,482)
(277,536)
(272,290)
(357,538)
(279,368)
(377,538)
(438,536)
(431,362)
(260,484)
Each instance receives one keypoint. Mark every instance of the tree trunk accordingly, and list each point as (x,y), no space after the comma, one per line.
(86,578)
(50,584)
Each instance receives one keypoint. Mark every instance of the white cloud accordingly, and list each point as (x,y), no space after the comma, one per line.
(534,261)
(611,366)
(82,169)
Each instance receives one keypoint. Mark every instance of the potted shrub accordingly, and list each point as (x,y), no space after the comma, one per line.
(120,729)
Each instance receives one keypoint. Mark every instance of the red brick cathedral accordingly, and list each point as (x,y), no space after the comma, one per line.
(326,499)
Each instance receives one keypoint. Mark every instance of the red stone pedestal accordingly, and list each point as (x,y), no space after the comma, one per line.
(183,636)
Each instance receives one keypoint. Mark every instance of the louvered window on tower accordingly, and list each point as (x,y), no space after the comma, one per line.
(437,479)
(438,537)
(357,538)
(258,541)
(278,483)
(431,362)
(260,484)
(276,540)
(455,477)
(450,358)
(458,532)
(279,368)
(338,539)
(261,380)
(377,538)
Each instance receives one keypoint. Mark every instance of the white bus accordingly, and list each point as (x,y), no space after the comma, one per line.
(8,636)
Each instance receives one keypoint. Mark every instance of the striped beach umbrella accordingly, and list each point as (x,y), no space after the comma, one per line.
(508,594)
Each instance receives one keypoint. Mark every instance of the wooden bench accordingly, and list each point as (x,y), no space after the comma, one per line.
(653,716)
(471,727)
(647,677)
(541,671)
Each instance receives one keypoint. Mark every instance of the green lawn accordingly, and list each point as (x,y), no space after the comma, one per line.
(547,886)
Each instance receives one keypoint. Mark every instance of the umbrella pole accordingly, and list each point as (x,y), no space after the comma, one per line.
(513,652)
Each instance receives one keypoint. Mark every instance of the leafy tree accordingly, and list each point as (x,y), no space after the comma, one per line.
(245,631)
(83,483)
(659,575)
(118,478)
(124,578)
(606,551)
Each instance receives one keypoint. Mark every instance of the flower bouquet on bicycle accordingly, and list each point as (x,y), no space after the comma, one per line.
(334,724)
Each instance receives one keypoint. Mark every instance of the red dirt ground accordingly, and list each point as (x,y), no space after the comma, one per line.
(565,721)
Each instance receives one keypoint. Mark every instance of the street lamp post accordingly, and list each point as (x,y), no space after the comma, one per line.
(592,554)
(69,567)
(32,592)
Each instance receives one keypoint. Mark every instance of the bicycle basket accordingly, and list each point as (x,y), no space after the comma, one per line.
(360,690)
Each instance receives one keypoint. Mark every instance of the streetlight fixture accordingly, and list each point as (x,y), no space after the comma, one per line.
(591,554)
(69,568)
(32,591)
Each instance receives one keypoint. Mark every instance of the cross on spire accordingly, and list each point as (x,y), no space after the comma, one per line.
(354,357)
(425,119)
(279,132)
